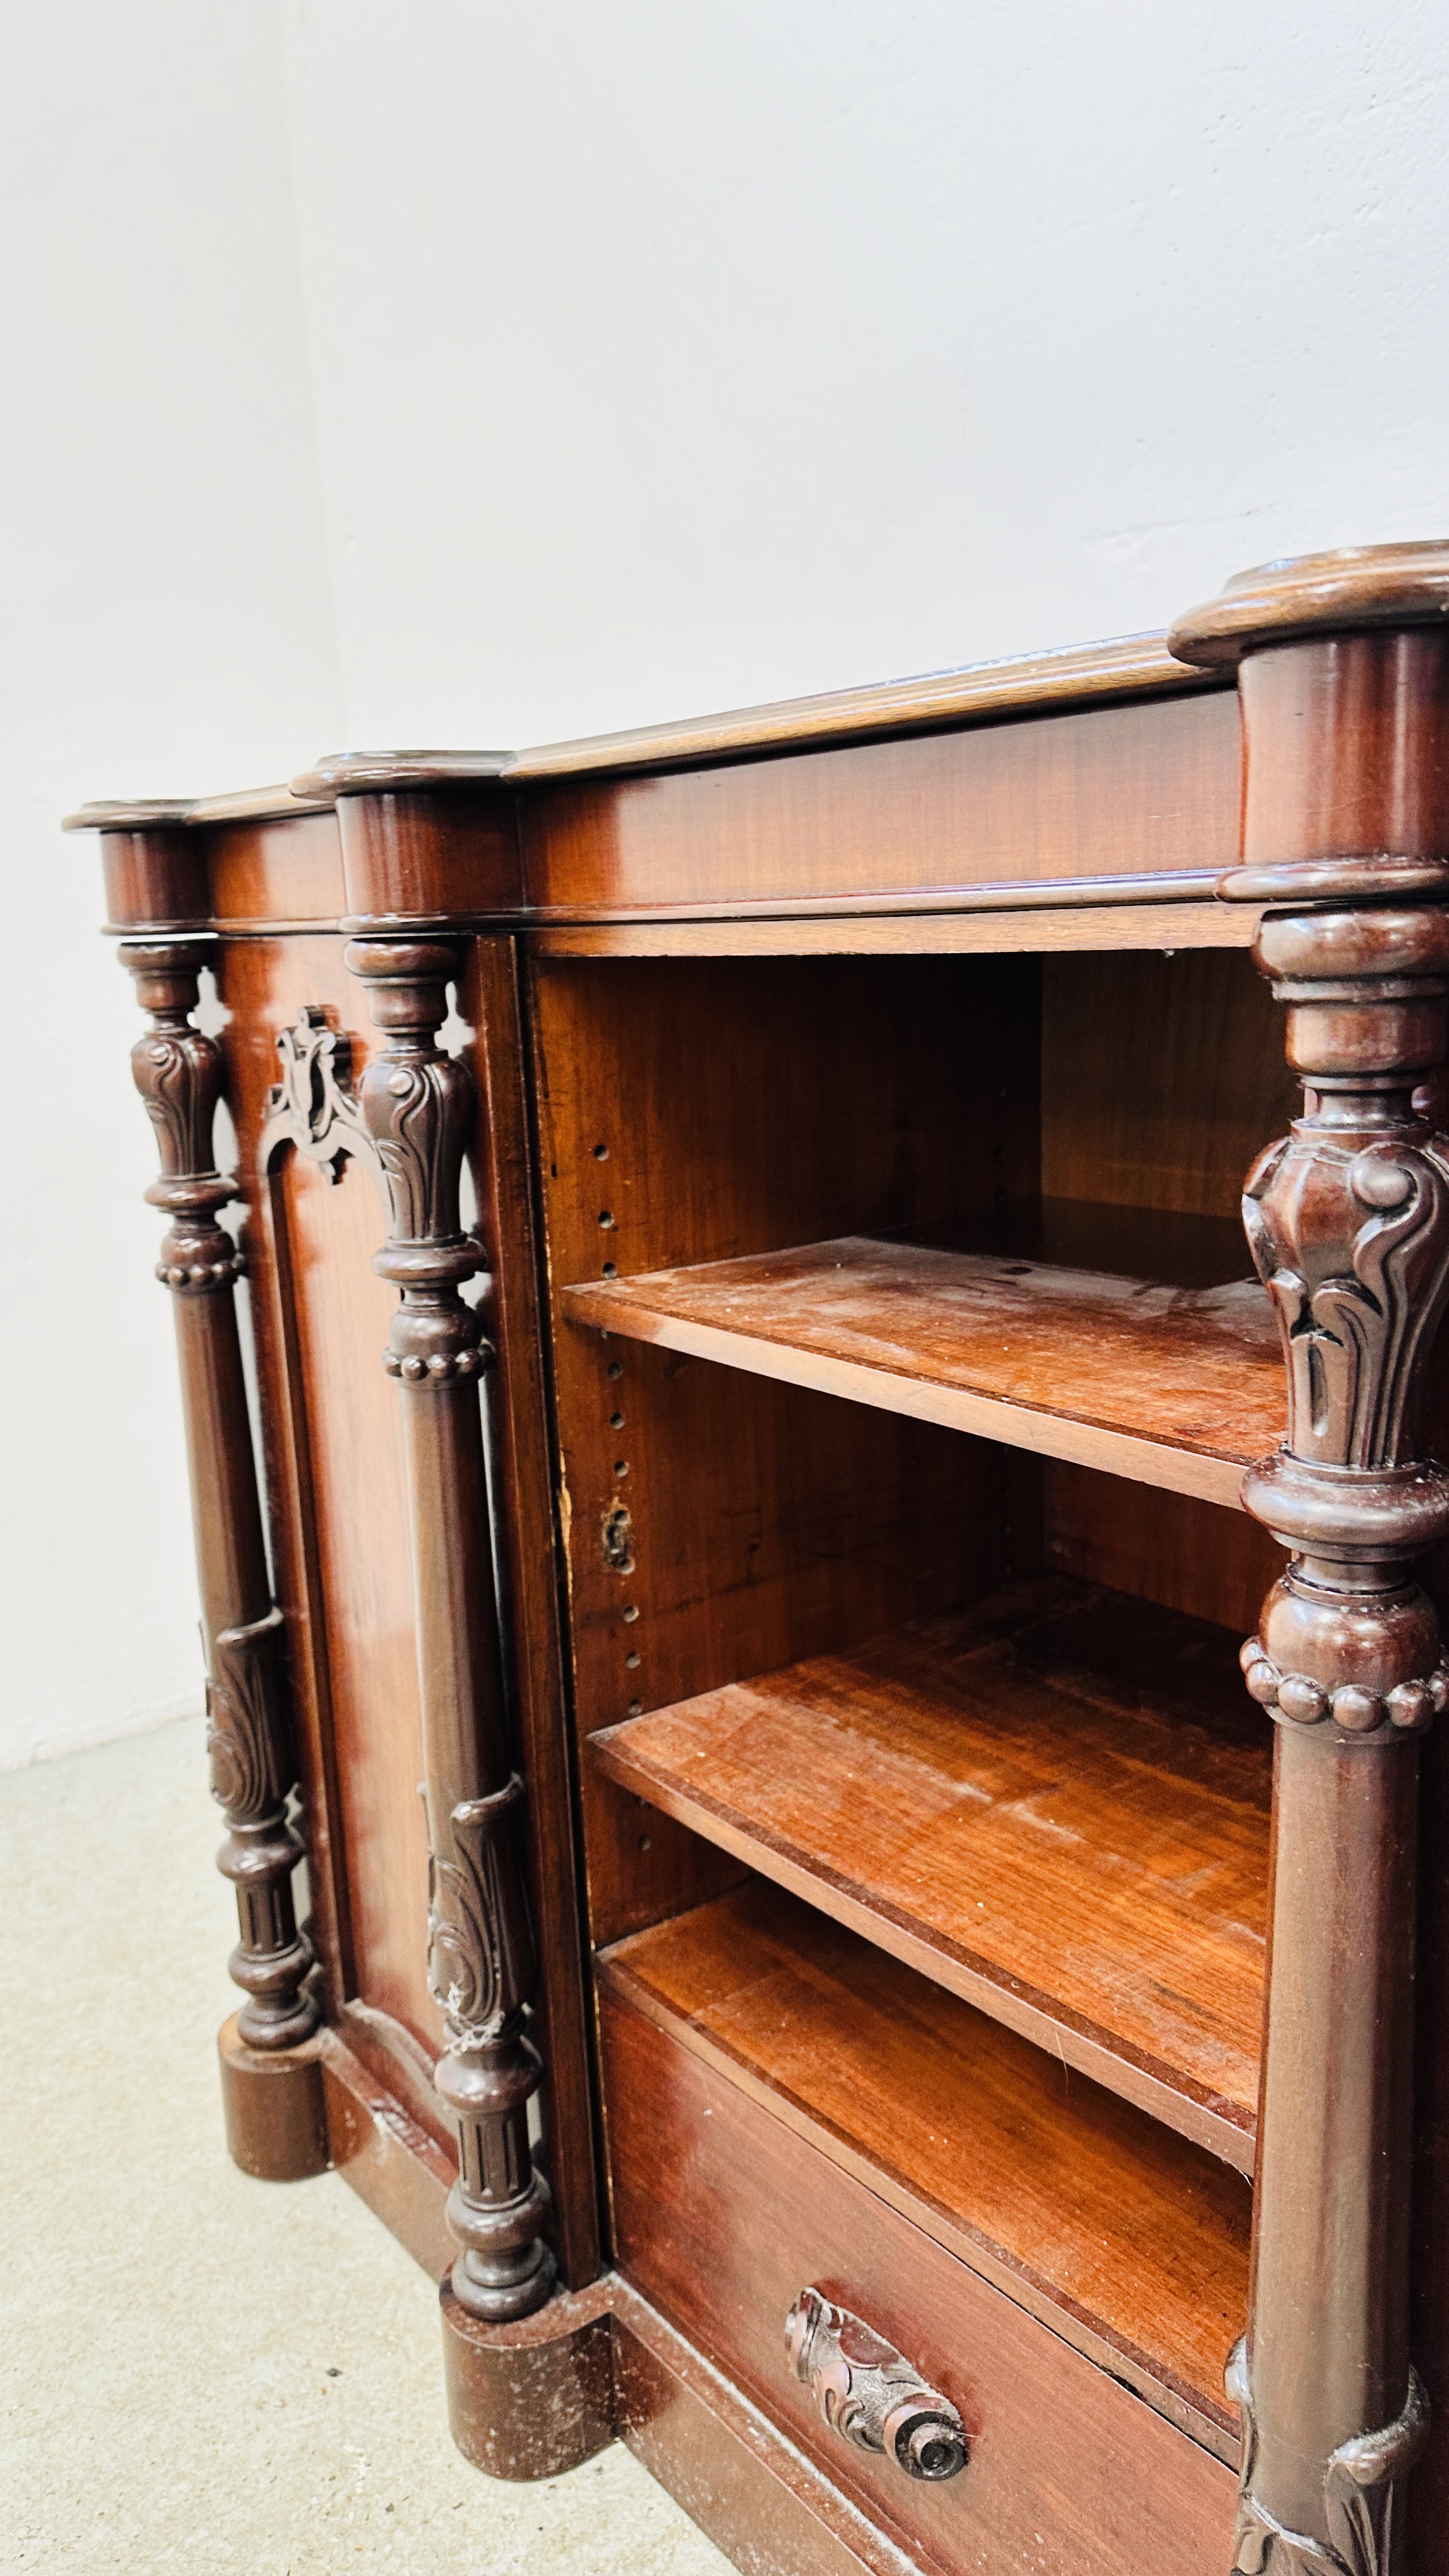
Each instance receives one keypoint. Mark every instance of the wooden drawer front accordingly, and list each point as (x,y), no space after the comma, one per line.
(722,2216)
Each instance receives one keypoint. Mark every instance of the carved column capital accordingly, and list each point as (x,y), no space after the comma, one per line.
(418,1106)
(177,1071)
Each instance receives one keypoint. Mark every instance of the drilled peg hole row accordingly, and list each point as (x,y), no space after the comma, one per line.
(607,1218)
(630,1613)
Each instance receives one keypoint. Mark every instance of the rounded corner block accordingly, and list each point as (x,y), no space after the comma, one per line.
(274,2108)
(530,2399)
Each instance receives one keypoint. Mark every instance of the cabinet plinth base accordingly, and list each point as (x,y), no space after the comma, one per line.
(273,2105)
(533,2398)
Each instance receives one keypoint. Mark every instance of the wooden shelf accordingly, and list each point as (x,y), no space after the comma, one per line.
(1055,1804)
(1170,1382)
(1131,2243)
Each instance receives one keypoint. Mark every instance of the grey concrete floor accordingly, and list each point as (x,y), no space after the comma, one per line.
(198,2372)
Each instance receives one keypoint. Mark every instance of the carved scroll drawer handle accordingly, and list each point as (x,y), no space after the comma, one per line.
(869,2393)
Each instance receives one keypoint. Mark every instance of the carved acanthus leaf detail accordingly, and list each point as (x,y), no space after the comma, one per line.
(480,1959)
(178,1071)
(419,1111)
(1351,1239)
(178,1075)
(419,1107)
(246,1721)
(1358,2494)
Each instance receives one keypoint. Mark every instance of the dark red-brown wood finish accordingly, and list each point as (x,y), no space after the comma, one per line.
(1345,832)
(270,2087)
(853,1172)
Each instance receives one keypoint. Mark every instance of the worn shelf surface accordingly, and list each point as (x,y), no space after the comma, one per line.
(1128,2241)
(1055,1804)
(1171,1378)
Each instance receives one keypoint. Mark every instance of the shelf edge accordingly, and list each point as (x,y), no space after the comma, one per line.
(1162,2099)
(1200,1474)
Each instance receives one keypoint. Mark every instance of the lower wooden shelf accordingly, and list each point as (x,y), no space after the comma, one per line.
(1130,2243)
(1055,1804)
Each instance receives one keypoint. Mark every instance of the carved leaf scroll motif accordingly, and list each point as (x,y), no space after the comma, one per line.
(419,1107)
(247,1729)
(178,1075)
(1359,2488)
(419,1114)
(869,2394)
(480,1959)
(1352,1335)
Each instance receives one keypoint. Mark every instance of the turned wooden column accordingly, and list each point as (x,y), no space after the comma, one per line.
(1344,683)
(417,1105)
(272,2097)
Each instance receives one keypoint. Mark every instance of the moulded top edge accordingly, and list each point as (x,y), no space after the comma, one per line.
(1345,591)
(173,813)
(1133,666)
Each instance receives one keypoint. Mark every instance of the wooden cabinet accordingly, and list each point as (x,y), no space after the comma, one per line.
(832,1440)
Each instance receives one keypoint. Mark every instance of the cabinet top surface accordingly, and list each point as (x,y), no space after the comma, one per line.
(1351,590)
(1132,667)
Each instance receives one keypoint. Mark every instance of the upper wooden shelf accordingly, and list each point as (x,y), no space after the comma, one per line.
(1172,1385)
(1055,1804)
(1128,2241)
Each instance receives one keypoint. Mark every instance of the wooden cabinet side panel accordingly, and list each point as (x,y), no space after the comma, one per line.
(341,1533)
(1428,2486)
(277,872)
(341,1530)
(489,998)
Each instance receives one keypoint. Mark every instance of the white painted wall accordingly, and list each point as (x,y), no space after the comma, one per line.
(657,358)
(165,623)
(669,356)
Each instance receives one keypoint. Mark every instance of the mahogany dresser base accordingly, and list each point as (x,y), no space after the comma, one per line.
(860,2014)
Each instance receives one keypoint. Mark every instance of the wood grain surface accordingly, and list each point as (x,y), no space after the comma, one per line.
(990,928)
(1101,793)
(1130,666)
(338,1498)
(1055,1804)
(768,2507)
(1133,2244)
(1162,1079)
(1190,1556)
(1176,1387)
(717,1524)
